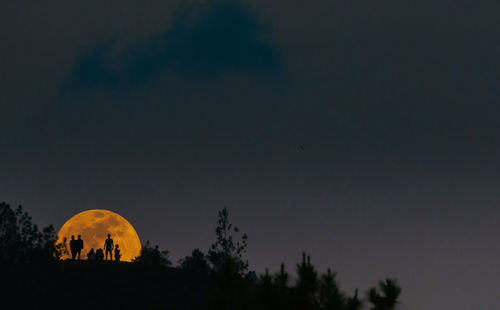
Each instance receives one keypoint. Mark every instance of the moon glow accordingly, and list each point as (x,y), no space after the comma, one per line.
(95,225)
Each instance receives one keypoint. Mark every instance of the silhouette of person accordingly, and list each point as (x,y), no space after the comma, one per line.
(79,246)
(108,247)
(117,253)
(99,255)
(91,254)
(72,247)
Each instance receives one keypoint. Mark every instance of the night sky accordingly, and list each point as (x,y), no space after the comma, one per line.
(167,111)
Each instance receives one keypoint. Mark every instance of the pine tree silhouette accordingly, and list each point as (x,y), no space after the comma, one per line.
(353,303)
(307,285)
(330,297)
(282,290)
(266,292)
(387,298)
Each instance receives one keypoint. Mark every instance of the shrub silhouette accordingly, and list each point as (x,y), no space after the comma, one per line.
(153,256)
(197,263)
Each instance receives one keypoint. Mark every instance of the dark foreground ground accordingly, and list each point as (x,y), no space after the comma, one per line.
(32,277)
(99,285)
(190,286)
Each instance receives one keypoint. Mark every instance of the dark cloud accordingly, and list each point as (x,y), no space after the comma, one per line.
(201,43)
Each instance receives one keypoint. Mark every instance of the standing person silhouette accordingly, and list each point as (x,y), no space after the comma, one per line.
(108,247)
(79,246)
(72,247)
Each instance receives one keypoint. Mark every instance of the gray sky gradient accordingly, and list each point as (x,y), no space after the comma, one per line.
(168,111)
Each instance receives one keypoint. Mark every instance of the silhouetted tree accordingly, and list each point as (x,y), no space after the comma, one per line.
(265,292)
(153,256)
(307,285)
(330,297)
(195,276)
(386,297)
(281,279)
(62,248)
(28,258)
(21,242)
(353,303)
(197,263)
(281,289)
(228,249)
(226,258)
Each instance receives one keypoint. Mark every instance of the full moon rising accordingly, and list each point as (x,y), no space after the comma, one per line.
(95,225)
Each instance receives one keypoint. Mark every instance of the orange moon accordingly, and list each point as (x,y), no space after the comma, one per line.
(94,227)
